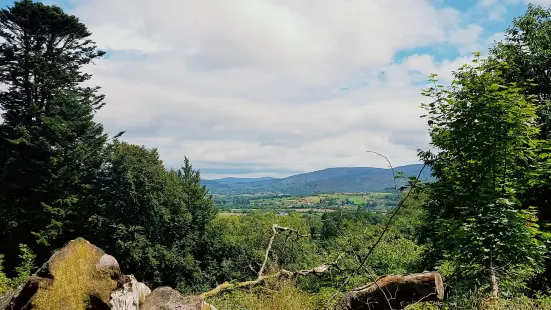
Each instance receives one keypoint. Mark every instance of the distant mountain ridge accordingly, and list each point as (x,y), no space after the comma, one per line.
(330,180)
(232,180)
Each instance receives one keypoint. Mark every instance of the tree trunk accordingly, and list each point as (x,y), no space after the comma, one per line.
(493,283)
(395,292)
(494,287)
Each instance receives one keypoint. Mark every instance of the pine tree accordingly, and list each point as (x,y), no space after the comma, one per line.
(50,147)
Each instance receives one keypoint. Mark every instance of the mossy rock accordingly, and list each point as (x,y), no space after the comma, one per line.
(78,276)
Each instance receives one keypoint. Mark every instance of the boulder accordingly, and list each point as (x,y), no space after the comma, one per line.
(130,295)
(108,264)
(166,298)
(81,276)
(78,276)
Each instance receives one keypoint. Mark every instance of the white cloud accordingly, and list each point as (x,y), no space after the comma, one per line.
(542,2)
(495,9)
(496,37)
(256,84)
(467,39)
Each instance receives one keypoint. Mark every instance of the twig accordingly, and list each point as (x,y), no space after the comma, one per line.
(391,168)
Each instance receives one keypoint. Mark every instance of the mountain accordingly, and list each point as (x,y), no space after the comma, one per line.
(343,179)
(231,180)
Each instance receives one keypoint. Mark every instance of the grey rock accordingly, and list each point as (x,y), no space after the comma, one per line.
(130,295)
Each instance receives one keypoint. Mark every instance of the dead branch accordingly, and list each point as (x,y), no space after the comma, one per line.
(427,286)
(275,229)
(282,274)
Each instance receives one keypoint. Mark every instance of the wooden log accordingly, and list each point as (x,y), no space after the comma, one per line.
(395,292)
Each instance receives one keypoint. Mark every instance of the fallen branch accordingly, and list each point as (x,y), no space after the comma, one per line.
(402,289)
(282,274)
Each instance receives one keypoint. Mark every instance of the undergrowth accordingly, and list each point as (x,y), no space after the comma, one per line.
(274,295)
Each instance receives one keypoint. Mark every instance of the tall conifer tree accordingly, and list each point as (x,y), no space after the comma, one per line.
(50,146)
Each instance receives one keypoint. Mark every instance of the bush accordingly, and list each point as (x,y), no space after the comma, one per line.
(23,270)
(4,280)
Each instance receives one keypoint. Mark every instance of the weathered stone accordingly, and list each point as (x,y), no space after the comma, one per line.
(81,276)
(109,265)
(166,298)
(22,296)
(130,295)
(143,292)
(68,280)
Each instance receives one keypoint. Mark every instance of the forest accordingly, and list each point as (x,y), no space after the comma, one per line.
(483,223)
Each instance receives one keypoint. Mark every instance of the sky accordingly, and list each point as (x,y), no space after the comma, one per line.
(278,87)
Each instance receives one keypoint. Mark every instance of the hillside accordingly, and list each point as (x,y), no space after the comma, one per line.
(343,179)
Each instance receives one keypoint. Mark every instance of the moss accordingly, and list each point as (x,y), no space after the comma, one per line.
(76,279)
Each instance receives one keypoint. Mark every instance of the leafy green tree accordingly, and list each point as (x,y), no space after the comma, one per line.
(141,216)
(50,147)
(199,204)
(332,222)
(527,51)
(485,130)
(4,280)
(155,221)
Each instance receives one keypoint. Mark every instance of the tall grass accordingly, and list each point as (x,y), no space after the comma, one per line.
(274,295)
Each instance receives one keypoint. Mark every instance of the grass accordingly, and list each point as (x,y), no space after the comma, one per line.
(75,279)
(476,302)
(279,294)
(274,295)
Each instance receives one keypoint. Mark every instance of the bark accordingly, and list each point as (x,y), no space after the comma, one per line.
(493,283)
(261,279)
(493,301)
(395,292)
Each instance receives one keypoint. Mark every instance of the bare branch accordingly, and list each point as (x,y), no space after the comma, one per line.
(321,269)
(391,168)
(275,229)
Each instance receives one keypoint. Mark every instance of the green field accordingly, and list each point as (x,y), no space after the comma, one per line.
(283,204)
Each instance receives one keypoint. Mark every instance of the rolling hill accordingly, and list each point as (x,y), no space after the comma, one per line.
(344,179)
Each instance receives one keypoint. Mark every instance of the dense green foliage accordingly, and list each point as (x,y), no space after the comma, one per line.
(23,270)
(157,235)
(527,51)
(50,146)
(486,132)
(59,176)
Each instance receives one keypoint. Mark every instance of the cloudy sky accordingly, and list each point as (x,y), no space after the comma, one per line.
(278,87)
